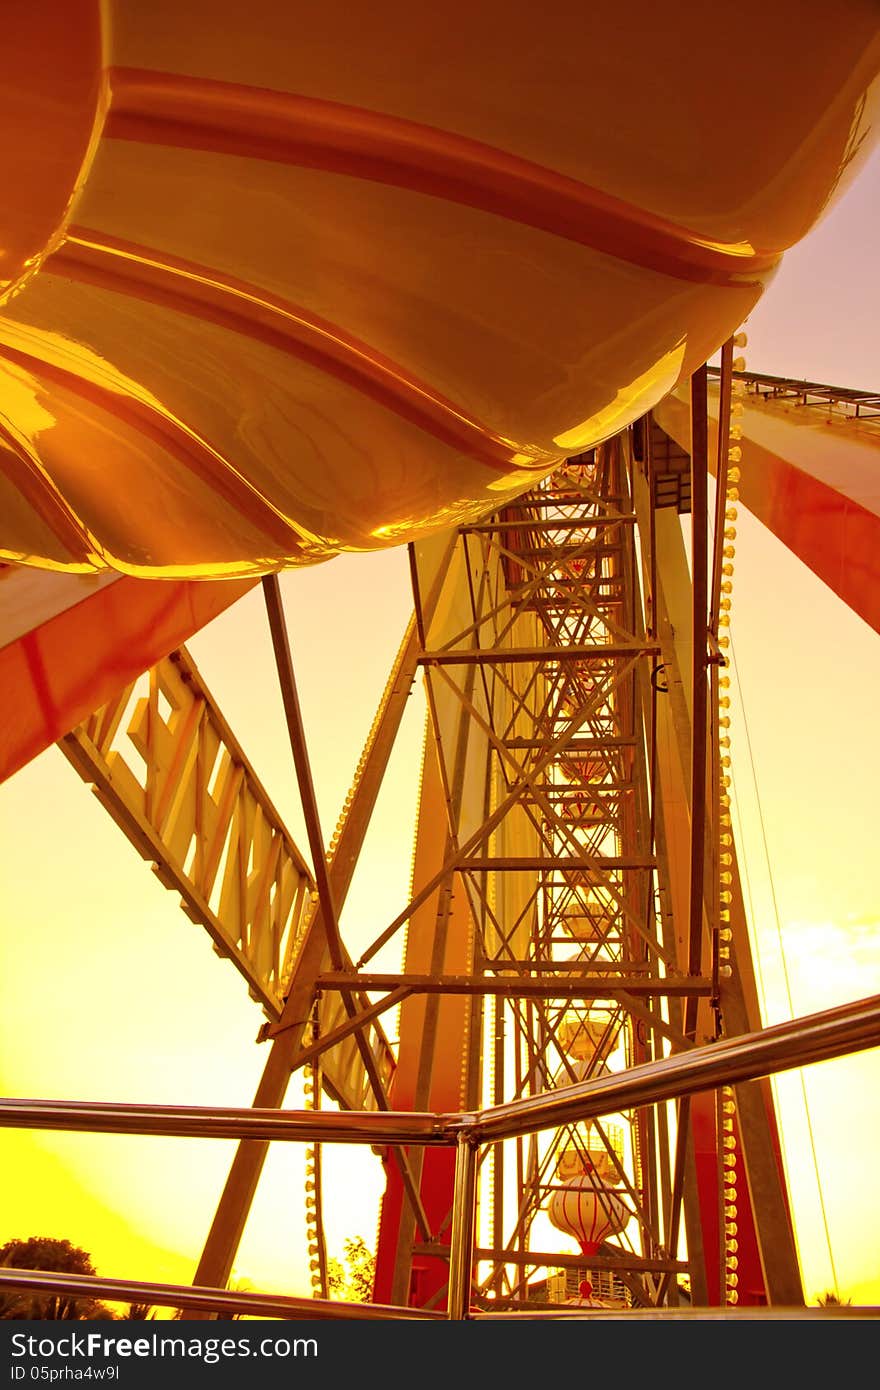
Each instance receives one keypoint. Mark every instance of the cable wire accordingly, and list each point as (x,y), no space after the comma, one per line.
(784,961)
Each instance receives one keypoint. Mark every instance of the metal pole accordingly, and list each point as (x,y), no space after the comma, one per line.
(724,402)
(200,1299)
(284,663)
(461,1252)
(699,706)
(201,1122)
(714,616)
(832,1033)
(549,655)
(814,1038)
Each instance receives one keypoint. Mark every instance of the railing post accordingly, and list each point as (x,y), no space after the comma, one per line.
(461,1254)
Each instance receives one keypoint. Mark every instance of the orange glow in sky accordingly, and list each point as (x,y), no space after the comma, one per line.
(109,992)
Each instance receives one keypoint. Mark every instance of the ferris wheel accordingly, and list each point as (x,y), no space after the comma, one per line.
(281,289)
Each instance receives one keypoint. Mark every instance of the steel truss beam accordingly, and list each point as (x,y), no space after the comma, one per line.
(167,767)
(538,707)
(521,987)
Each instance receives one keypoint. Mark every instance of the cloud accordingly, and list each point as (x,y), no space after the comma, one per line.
(823,964)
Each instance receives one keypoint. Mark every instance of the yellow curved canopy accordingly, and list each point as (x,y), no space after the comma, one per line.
(278,281)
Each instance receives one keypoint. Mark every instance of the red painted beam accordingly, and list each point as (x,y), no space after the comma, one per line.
(813,482)
(69,643)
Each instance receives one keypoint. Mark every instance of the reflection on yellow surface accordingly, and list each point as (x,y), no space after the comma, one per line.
(742,249)
(630,402)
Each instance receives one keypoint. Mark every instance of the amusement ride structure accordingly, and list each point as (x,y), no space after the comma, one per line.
(282,286)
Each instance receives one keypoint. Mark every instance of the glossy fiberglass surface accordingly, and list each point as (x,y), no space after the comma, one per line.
(279,281)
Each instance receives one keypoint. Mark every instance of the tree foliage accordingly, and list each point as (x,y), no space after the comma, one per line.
(43,1252)
(352,1278)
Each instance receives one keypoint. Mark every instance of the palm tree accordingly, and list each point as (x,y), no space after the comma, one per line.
(139,1312)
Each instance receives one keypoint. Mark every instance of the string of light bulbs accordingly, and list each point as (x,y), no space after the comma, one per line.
(728,1145)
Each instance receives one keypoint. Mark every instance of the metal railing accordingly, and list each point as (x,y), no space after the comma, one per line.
(813,1038)
(846,402)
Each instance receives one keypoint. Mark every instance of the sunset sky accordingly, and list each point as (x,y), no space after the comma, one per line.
(109,992)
